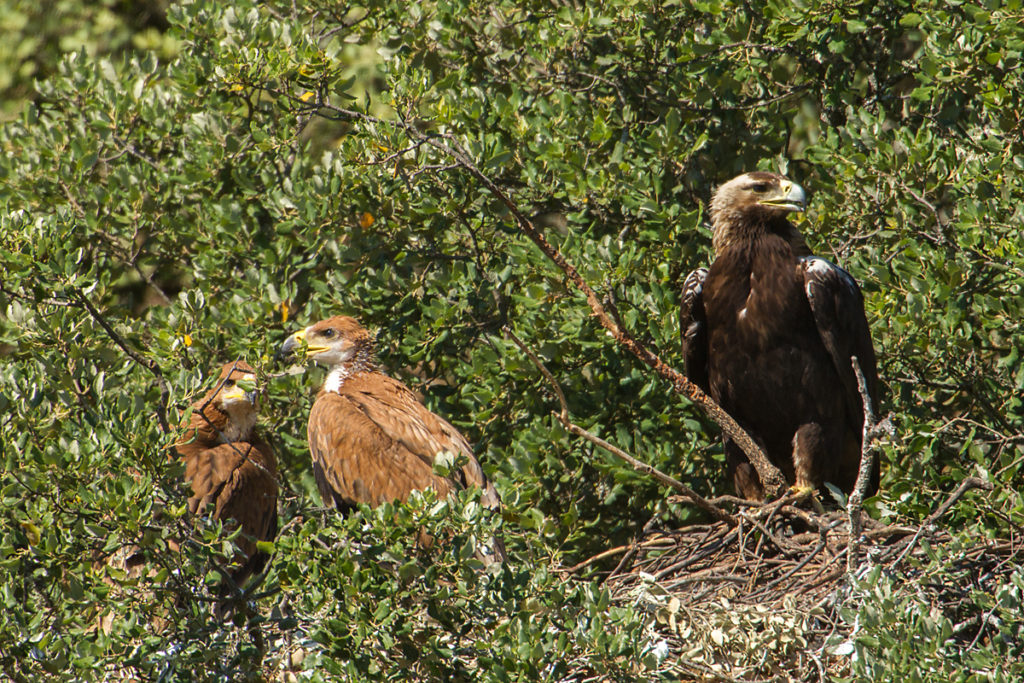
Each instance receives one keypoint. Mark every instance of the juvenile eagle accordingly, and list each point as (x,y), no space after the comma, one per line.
(230,466)
(370,439)
(769,330)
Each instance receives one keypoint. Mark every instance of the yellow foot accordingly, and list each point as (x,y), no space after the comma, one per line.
(802,493)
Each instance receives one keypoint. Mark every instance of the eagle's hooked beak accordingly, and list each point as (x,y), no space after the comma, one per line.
(790,197)
(287,349)
(293,342)
(238,392)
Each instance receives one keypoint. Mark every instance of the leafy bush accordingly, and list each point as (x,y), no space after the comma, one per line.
(262,165)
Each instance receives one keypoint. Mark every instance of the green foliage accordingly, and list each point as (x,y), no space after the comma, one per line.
(924,635)
(38,34)
(196,196)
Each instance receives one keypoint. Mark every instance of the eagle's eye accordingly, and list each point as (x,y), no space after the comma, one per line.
(759,187)
(329,332)
(229,382)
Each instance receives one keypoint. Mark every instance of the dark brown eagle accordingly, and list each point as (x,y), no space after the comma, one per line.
(769,331)
(230,467)
(370,439)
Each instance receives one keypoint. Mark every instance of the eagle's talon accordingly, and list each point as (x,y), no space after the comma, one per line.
(803,493)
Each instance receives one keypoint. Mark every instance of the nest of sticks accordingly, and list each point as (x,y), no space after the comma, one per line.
(759,596)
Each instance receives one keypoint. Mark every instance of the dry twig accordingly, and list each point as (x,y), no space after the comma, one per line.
(149,364)
(638,465)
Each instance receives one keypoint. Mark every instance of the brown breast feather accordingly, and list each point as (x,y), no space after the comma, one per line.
(238,479)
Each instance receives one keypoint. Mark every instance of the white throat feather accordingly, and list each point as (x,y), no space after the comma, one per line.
(336,377)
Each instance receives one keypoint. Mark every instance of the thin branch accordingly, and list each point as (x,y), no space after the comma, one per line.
(611,552)
(149,364)
(799,565)
(543,370)
(639,466)
(966,485)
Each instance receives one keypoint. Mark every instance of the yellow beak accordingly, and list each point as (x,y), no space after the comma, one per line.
(295,341)
(234,395)
(790,197)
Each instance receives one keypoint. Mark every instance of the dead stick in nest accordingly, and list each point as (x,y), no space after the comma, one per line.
(634,546)
(696,557)
(822,542)
(612,552)
(869,431)
(638,465)
(705,576)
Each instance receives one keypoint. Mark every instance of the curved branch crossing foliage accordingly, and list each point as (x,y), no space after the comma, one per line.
(770,475)
(563,416)
(771,478)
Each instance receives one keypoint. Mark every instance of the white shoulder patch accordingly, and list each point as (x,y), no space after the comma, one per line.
(694,282)
(817,269)
(817,265)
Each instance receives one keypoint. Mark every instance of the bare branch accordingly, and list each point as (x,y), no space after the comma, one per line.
(543,370)
(863,473)
(966,485)
(638,465)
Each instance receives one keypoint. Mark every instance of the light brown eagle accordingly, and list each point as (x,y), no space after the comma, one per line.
(769,332)
(370,439)
(230,467)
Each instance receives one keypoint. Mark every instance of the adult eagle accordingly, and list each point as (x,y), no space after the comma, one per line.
(230,467)
(370,439)
(769,331)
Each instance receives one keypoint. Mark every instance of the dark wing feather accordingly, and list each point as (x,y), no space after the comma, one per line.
(838,308)
(693,328)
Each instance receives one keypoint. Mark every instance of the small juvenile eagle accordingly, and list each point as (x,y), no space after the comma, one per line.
(370,439)
(769,331)
(230,466)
